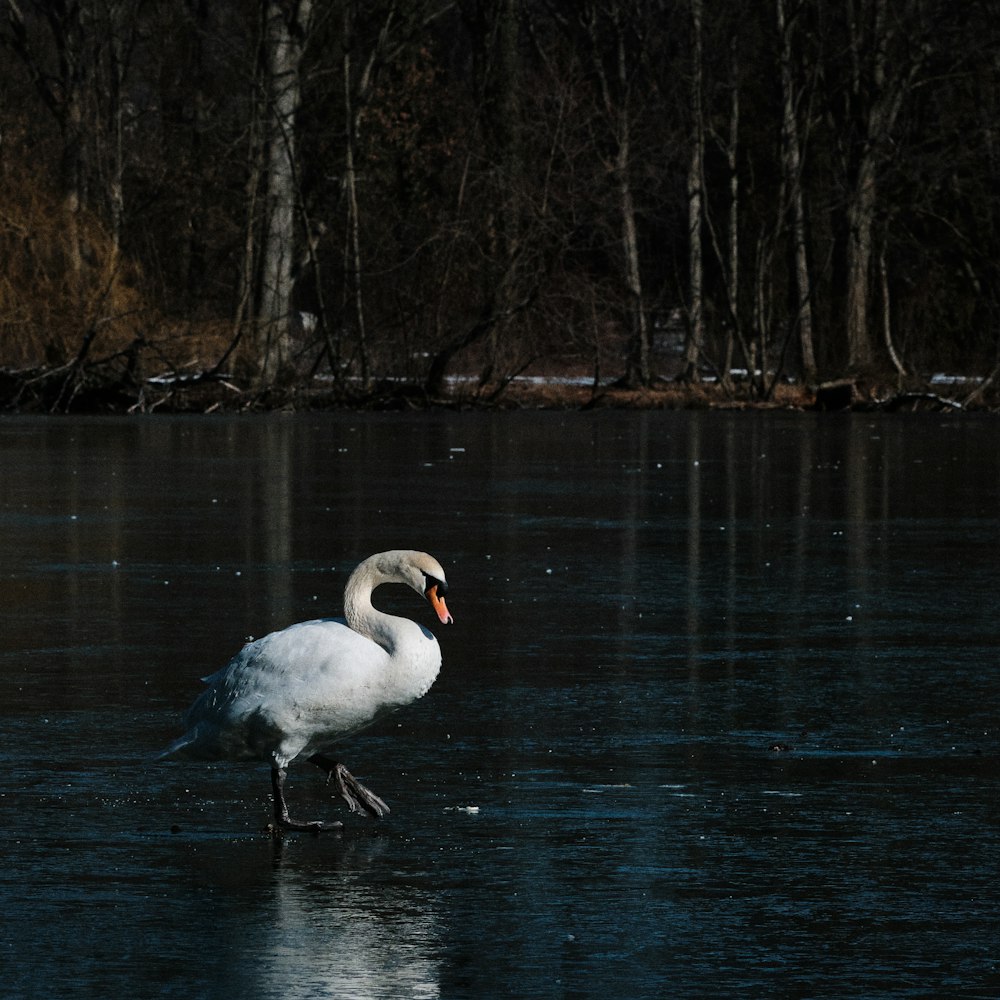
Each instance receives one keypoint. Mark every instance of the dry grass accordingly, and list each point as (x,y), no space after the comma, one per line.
(68,296)
(63,285)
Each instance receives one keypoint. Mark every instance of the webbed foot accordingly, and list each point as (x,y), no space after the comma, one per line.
(358,798)
(282,821)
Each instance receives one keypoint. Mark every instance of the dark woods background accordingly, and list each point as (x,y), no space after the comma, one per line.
(277,190)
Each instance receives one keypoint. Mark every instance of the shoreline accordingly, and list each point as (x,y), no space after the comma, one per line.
(62,391)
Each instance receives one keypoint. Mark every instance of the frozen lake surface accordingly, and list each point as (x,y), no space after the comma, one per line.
(718,716)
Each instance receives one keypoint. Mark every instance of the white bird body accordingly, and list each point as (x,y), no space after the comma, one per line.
(299,690)
(296,691)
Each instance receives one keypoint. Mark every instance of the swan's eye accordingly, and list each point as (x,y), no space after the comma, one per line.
(432,581)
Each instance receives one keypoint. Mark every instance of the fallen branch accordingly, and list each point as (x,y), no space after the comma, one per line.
(892,403)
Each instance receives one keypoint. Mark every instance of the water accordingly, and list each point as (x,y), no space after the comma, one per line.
(718,715)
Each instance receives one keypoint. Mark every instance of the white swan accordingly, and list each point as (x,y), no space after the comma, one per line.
(296,691)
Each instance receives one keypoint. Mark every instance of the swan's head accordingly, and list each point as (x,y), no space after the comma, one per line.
(423,573)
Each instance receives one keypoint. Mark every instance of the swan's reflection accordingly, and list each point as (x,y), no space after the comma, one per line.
(340,930)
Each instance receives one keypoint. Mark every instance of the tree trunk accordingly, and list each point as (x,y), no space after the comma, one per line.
(733,249)
(615,95)
(880,97)
(354,285)
(728,253)
(285,29)
(793,181)
(860,219)
(198,236)
(637,370)
(883,272)
(502,126)
(61,92)
(120,21)
(72,181)
(696,328)
(357,93)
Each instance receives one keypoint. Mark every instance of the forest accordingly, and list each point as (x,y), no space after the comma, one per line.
(326,202)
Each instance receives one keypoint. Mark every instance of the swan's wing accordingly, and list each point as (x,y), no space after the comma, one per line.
(312,681)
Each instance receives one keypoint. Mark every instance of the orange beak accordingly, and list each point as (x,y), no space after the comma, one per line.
(437,603)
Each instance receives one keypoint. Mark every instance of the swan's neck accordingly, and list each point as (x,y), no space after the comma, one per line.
(363,617)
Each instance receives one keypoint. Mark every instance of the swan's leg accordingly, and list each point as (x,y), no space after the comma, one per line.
(281,818)
(358,798)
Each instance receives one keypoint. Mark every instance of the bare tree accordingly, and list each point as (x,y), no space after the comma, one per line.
(356,92)
(494,166)
(732,257)
(59,79)
(501,128)
(887,52)
(727,249)
(286,29)
(696,203)
(607,24)
(792,166)
(381,34)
